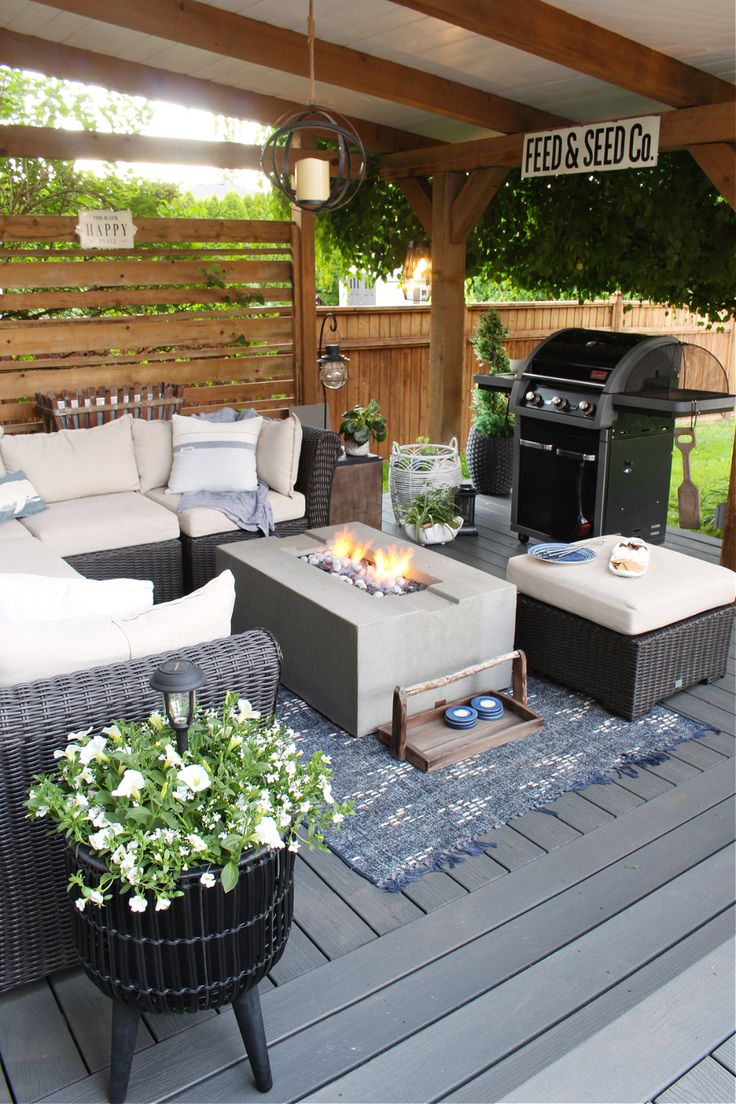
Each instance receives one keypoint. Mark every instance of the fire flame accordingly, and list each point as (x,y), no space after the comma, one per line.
(388,564)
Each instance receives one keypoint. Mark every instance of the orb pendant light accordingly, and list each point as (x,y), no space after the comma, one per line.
(315,178)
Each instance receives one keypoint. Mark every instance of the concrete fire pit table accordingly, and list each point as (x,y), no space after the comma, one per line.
(344,650)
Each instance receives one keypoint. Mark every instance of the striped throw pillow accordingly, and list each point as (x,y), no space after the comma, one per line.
(18,497)
(214,456)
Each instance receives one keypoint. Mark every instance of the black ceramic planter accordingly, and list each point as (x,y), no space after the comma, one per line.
(208,949)
(490,463)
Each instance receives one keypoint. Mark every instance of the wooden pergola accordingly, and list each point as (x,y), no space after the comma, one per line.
(444,90)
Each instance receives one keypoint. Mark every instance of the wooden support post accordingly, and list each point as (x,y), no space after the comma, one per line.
(728,547)
(447,325)
(305,308)
(617,312)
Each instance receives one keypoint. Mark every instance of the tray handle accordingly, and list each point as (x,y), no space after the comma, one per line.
(401,693)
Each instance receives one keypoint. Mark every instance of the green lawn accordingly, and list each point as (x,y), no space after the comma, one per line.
(710,464)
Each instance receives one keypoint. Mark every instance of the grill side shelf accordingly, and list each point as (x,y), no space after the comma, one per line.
(695,402)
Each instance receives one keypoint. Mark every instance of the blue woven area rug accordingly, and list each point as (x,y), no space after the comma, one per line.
(409,822)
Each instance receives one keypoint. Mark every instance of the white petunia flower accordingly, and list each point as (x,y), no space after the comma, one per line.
(138,903)
(337,818)
(197,843)
(327,793)
(93,749)
(99,840)
(79,735)
(294,845)
(81,903)
(246,712)
(130,785)
(96,897)
(194,778)
(156,720)
(173,756)
(162,903)
(267,833)
(69,752)
(81,801)
(208,879)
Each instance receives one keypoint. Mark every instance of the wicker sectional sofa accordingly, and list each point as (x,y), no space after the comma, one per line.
(108,515)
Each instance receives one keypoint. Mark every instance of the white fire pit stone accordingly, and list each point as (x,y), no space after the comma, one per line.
(344,651)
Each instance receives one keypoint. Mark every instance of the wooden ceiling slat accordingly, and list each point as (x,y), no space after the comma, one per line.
(543,30)
(238,36)
(678,129)
(70,63)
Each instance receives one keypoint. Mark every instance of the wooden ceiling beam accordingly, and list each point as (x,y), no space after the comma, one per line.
(718,161)
(549,32)
(472,200)
(418,191)
(678,129)
(69,145)
(54,59)
(237,36)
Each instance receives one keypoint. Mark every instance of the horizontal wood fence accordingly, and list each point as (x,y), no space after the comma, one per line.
(388,349)
(204,303)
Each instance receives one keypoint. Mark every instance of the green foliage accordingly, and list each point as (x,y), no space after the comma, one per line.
(663,234)
(491,414)
(31,185)
(488,342)
(364,423)
(434,507)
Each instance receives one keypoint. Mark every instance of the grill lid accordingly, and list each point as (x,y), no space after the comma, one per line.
(581,356)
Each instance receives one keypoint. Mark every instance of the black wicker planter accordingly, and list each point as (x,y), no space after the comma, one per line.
(208,949)
(490,463)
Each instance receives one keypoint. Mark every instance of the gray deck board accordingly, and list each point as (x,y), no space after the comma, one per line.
(579,937)
(435,1060)
(555,1054)
(683,838)
(726,1054)
(706,1083)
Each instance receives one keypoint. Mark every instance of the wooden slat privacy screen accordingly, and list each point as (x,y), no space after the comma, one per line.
(205,303)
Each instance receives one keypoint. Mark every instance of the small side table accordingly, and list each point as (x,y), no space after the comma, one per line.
(357,490)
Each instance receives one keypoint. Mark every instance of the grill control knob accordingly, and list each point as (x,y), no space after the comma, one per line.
(559,403)
(586,407)
(533,398)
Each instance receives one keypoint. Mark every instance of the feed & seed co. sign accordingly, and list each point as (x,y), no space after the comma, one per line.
(597,147)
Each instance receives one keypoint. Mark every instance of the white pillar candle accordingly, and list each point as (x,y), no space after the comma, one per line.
(312,179)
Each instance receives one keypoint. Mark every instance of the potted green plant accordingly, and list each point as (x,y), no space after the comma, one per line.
(181,861)
(432,517)
(489,451)
(360,425)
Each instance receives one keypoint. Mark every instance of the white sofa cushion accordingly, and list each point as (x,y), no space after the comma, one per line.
(203,522)
(674,587)
(32,557)
(83,643)
(102,522)
(75,463)
(153,451)
(45,649)
(214,456)
(11,530)
(28,597)
(277,453)
(205,614)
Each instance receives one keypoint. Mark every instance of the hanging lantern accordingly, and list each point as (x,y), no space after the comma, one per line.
(416,278)
(324,177)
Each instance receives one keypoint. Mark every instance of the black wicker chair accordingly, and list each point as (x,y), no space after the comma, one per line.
(35,718)
(317,460)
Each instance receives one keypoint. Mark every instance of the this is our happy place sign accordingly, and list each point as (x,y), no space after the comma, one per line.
(596,147)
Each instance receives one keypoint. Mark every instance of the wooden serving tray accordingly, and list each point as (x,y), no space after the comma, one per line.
(428,743)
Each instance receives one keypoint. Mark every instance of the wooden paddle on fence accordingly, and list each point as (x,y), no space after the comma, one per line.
(688,495)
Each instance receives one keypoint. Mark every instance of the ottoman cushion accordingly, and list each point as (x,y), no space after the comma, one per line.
(674,587)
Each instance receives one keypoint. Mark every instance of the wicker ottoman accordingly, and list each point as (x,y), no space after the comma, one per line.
(628,642)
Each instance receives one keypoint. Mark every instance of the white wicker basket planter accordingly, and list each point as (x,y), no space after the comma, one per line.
(413,470)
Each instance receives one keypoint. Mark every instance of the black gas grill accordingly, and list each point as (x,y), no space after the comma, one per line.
(595,414)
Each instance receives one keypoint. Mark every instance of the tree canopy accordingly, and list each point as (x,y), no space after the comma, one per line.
(663,234)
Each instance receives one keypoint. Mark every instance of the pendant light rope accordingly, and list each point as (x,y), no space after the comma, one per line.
(324,131)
